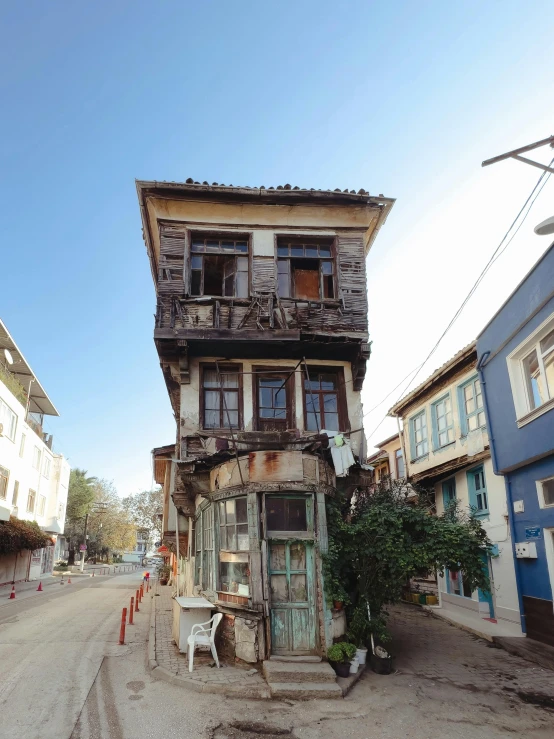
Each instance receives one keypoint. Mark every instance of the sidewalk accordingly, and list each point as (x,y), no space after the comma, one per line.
(168,664)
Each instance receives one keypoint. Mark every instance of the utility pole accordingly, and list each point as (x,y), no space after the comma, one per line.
(516,154)
(83,551)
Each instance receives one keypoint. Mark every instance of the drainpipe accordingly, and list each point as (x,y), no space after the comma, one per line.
(177,550)
(401,435)
(507,481)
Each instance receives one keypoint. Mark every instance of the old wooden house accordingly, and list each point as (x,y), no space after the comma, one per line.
(261,329)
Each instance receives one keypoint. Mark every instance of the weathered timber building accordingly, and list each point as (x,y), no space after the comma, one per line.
(262,334)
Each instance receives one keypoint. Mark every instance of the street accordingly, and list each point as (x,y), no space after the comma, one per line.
(64,675)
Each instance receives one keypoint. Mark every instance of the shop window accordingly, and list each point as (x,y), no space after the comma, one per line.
(286,514)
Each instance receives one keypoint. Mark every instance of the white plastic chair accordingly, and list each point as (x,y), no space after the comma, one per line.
(204,637)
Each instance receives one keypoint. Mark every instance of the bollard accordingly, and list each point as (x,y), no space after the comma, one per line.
(122,629)
(131,610)
(137,602)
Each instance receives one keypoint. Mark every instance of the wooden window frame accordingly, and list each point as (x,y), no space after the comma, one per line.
(435,422)
(342,403)
(473,492)
(220,235)
(399,454)
(260,371)
(415,456)
(464,415)
(204,366)
(308,535)
(332,241)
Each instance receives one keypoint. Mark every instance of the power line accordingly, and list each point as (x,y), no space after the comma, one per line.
(500,249)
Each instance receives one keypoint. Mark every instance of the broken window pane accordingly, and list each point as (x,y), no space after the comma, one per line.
(286,514)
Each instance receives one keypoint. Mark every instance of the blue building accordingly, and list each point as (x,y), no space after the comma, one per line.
(516,364)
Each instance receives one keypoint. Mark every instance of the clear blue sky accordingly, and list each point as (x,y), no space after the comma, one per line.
(403,99)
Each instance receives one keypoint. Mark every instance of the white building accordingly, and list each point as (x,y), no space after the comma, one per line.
(34,479)
(139,552)
(447,449)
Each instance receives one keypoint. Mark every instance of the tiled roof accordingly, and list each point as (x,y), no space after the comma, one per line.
(196,185)
(452,362)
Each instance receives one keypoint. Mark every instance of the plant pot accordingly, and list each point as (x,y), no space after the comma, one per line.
(163,580)
(354,665)
(422,599)
(337,605)
(341,668)
(361,655)
(381,665)
(415,597)
(432,600)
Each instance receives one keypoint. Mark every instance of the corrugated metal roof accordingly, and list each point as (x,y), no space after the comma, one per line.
(458,357)
(39,400)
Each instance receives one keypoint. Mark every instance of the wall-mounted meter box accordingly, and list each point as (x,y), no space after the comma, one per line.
(526,550)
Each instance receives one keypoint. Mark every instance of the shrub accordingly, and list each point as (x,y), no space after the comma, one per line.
(341,652)
(16,535)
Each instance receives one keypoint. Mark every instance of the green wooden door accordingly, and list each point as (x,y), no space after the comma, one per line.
(292,597)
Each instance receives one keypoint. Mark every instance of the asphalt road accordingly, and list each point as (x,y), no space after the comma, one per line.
(63,675)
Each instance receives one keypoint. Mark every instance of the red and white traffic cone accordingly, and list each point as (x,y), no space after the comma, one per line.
(12,594)
(39,589)
(69,581)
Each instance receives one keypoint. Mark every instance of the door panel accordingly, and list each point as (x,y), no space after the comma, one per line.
(292,598)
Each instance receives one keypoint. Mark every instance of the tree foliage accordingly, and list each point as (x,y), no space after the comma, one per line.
(109,523)
(144,509)
(80,495)
(383,538)
(17,535)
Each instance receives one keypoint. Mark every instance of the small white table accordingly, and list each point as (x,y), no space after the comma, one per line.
(186,613)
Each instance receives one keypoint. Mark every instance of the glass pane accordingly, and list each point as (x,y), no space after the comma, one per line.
(197,245)
(229,379)
(549,372)
(233,577)
(223,537)
(230,511)
(279,589)
(329,403)
(266,397)
(328,287)
(332,421)
(211,419)
(275,508)
(296,518)
(283,286)
(242,537)
(547,343)
(240,510)
(211,399)
(328,382)
(481,418)
(212,245)
(231,419)
(297,556)
(228,245)
(312,422)
(196,262)
(242,264)
(298,589)
(241,246)
(472,423)
(312,401)
(231,539)
(196,283)
(283,266)
(311,251)
(267,413)
(282,251)
(534,380)
(324,251)
(280,413)
(548,492)
(231,400)
(277,557)
(327,268)
(210,378)
(477,481)
(297,251)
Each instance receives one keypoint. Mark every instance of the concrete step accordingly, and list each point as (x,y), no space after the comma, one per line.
(293,658)
(298,672)
(305,691)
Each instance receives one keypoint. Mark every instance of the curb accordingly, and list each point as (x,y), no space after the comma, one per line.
(160,673)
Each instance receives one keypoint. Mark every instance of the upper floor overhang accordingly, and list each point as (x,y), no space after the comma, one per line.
(282,207)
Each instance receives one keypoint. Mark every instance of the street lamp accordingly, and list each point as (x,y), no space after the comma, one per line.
(546,227)
(96,508)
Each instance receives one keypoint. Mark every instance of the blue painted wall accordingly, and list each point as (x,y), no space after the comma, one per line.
(513,446)
(533,573)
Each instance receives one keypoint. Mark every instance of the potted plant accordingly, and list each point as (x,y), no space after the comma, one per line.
(164,571)
(340,655)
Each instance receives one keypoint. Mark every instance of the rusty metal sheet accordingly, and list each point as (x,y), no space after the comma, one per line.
(275,466)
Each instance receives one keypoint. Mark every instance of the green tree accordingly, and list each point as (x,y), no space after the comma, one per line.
(80,497)
(110,525)
(387,535)
(145,509)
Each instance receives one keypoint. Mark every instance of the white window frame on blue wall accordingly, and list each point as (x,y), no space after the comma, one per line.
(419,440)
(443,422)
(473,419)
(477,491)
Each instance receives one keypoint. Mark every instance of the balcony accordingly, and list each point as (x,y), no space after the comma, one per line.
(13,384)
